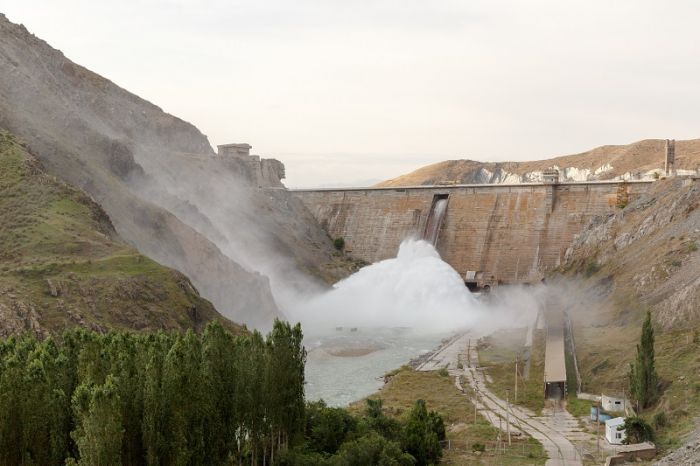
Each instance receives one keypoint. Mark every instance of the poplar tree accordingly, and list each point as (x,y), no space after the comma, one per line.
(643,378)
(182,396)
(99,430)
(153,428)
(222,419)
(158,399)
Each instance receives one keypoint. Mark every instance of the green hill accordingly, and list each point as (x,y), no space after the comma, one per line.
(62,264)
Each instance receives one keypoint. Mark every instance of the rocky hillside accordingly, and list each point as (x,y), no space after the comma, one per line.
(639,160)
(650,248)
(62,264)
(157,178)
(643,257)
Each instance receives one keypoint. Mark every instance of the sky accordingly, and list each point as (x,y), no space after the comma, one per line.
(352,92)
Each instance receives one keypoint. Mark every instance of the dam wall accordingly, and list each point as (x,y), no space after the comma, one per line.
(514,232)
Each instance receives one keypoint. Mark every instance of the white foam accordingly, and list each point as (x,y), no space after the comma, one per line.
(416,289)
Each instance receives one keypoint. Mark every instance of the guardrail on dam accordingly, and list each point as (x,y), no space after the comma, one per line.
(515,232)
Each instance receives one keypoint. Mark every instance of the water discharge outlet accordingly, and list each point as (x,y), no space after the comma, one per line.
(438,209)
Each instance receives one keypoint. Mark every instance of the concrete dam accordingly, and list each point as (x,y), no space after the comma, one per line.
(512,233)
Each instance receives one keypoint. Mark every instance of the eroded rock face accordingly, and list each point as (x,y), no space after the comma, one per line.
(652,248)
(19,318)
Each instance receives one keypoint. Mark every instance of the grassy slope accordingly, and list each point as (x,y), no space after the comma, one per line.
(440,394)
(62,264)
(605,355)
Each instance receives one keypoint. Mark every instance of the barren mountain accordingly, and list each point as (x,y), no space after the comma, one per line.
(639,160)
(160,182)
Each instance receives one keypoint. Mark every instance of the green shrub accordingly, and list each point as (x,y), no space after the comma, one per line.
(339,243)
(592,267)
(327,428)
(422,433)
(443,372)
(692,247)
(637,430)
(478,447)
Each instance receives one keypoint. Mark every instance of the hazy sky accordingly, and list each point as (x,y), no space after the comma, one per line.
(353,91)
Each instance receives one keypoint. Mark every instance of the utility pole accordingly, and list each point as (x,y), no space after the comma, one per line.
(476,397)
(516,380)
(500,431)
(508,413)
(469,354)
(597,428)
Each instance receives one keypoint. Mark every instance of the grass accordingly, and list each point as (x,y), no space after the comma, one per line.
(53,233)
(440,394)
(605,354)
(577,407)
(497,355)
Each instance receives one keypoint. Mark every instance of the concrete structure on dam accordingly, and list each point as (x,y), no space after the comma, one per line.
(513,232)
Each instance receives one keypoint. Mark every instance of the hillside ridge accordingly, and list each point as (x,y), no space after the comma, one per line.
(638,160)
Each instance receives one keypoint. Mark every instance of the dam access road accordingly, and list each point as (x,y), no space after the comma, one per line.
(555,429)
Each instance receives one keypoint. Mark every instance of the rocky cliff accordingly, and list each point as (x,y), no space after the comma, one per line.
(640,160)
(159,180)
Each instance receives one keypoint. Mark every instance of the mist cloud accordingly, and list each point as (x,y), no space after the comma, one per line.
(417,289)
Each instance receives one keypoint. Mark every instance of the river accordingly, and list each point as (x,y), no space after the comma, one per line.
(345,365)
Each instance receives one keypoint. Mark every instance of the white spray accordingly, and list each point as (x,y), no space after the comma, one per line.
(417,289)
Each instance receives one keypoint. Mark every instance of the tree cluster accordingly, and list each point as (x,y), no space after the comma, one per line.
(333,437)
(151,399)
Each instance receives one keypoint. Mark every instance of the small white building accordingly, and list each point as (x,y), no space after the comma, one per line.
(614,433)
(612,404)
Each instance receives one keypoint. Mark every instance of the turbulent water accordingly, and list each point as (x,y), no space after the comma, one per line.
(380,318)
(417,290)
